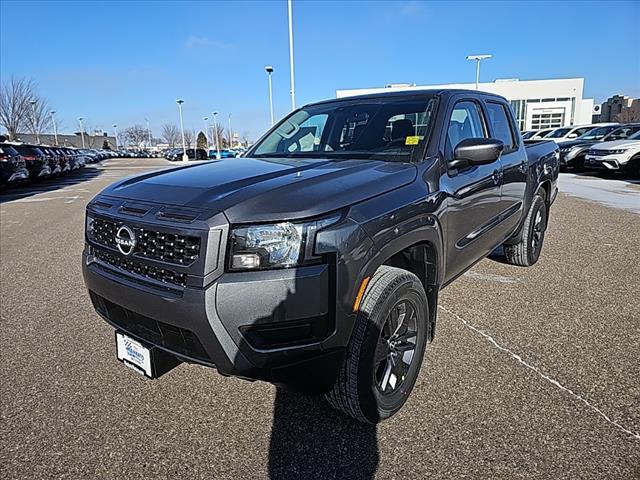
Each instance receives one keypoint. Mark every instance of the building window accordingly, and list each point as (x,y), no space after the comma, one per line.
(540,121)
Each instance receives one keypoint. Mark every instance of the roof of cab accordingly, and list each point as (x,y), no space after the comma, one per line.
(407,94)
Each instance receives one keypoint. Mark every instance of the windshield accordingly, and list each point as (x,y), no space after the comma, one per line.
(384,128)
(9,150)
(597,133)
(623,132)
(559,133)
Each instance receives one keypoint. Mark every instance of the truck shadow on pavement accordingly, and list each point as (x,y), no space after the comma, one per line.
(311,440)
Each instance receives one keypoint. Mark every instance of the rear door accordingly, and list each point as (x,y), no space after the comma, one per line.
(515,165)
(473,194)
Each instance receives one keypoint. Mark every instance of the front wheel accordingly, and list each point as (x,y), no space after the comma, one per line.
(527,251)
(385,352)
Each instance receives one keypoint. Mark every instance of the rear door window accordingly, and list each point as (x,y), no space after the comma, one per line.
(500,124)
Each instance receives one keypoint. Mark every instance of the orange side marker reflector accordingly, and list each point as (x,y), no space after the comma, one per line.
(363,287)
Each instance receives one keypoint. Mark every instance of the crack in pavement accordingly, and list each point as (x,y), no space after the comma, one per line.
(537,370)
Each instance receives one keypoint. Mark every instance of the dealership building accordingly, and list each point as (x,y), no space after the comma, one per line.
(537,104)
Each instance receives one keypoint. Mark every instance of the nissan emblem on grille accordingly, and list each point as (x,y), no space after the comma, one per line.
(125,240)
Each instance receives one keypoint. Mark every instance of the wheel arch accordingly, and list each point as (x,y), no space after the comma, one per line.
(421,255)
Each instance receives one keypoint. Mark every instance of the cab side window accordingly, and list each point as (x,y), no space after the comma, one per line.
(465,122)
(500,125)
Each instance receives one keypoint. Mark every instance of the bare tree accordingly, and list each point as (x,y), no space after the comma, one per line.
(628,115)
(135,135)
(170,134)
(189,138)
(219,133)
(38,118)
(122,139)
(15,96)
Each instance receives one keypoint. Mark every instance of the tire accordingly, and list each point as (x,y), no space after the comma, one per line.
(633,169)
(578,164)
(526,252)
(392,321)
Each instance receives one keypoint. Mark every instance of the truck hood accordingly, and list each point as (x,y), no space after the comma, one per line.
(263,190)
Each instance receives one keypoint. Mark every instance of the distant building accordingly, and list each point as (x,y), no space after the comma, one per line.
(537,104)
(90,141)
(619,108)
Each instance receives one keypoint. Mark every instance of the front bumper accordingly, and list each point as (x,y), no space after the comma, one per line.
(608,162)
(264,325)
(18,175)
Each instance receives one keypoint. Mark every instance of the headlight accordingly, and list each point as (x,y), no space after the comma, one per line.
(616,152)
(276,245)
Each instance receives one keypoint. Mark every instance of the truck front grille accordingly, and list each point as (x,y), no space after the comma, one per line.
(157,245)
(176,339)
(164,275)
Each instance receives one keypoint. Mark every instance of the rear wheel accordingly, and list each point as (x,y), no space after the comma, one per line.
(527,251)
(385,352)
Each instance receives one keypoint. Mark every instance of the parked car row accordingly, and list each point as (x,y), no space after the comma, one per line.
(175,154)
(605,146)
(21,162)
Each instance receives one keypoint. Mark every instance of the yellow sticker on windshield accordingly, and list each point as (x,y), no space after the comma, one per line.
(412,140)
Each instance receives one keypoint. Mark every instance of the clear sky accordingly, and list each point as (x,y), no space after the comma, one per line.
(119,62)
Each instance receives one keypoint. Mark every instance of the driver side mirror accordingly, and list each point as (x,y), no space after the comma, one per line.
(572,135)
(476,151)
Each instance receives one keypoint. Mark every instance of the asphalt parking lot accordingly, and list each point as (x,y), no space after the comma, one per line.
(534,373)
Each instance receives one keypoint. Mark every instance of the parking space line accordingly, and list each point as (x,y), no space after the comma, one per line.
(537,370)
(68,199)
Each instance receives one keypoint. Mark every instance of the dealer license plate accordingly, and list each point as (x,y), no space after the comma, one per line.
(133,354)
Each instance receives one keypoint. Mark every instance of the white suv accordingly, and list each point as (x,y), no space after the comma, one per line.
(616,155)
(569,133)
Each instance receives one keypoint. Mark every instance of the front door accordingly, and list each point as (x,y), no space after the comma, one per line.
(473,194)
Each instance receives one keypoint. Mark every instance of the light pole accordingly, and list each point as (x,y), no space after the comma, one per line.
(269,70)
(293,81)
(115,129)
(35,126)
(230,133)
(148,131)
(81,130)
(206,132)
(478,59)
(55,127)
(215,126)
(185,158)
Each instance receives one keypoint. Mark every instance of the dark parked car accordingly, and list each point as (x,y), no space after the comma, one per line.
(37,162)
(55,158)
(315,261)
(12,165)
(573,152)
(175,154)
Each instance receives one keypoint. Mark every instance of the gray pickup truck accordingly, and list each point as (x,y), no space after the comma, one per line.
(315,261)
